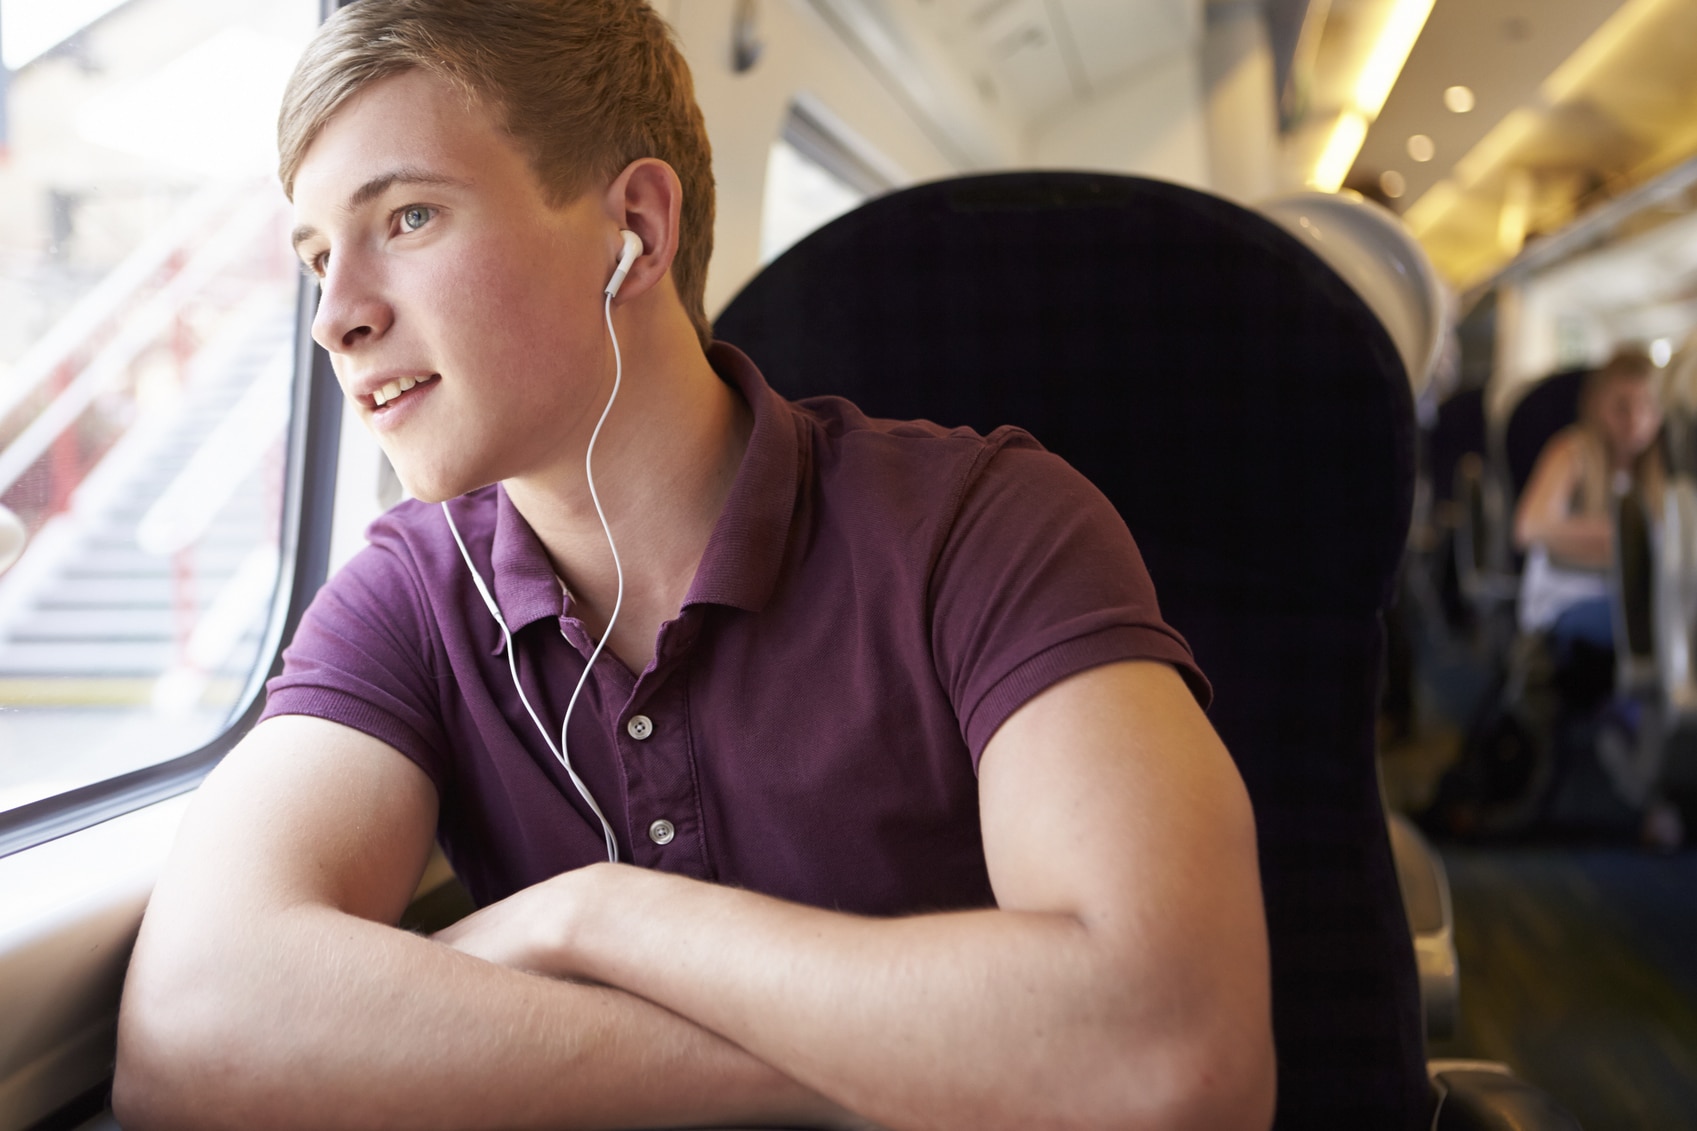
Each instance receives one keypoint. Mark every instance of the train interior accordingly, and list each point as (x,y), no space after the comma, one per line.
(1306,286)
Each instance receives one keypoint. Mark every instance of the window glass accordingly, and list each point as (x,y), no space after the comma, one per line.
(816,171)
(801,195)
(147,311)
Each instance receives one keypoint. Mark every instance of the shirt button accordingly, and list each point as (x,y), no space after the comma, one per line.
(639,728)
(661,832)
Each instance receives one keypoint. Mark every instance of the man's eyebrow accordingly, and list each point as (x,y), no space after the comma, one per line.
(375,188)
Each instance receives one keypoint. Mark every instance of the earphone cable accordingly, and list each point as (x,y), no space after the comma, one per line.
(618,569)
(562,752)
(512,668)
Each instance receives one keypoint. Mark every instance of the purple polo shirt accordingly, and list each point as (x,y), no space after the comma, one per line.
(875,599)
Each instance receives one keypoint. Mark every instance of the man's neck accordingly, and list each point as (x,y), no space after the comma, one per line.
(663,468)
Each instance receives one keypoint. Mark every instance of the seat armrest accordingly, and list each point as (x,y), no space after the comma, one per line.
(1482,538)
(1431,922)
(1482,1095)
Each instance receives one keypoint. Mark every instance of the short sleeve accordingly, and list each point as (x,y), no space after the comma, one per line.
(1039,579)
(363,657)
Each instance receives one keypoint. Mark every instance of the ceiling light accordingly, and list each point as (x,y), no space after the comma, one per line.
(1389,54)
(1372,87)
(1661,352)
(1341,148)
(1391,183)
(1459,99)
(1420,148)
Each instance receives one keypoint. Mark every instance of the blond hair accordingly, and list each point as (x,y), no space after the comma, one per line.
(1649,472)
(1627,364)
(584,87)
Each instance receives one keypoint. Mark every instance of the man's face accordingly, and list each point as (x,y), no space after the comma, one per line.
(444,269)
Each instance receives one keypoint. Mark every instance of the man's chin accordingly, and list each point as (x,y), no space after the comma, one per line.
(437,491)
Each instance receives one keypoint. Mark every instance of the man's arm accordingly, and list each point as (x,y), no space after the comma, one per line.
(1121,983)
(269,988)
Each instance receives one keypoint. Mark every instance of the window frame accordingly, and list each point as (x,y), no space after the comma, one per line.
(813,131)
(303,547)
(309,490)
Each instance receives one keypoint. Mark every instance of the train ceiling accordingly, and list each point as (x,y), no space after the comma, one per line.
(1569,103)
(1574,104)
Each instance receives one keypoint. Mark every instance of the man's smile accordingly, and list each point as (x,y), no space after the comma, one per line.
(393,390)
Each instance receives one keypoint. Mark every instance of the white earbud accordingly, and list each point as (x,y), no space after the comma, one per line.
(633,248)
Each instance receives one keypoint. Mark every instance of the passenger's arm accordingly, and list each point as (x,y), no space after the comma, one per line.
(1542,516)
(269,988)
(1122,983)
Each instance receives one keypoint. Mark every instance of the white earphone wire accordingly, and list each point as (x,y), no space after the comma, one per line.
(618,568)
(561,752)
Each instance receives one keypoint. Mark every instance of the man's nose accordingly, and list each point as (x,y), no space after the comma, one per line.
(351,309)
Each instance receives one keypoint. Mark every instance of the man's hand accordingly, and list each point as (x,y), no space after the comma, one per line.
(526,931)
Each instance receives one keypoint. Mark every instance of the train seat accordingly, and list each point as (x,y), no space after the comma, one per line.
(1371,250)
(1458,430)
(1467,502)
(1675,582)
(1650,679)
(1487,481)
(1431,921)
(1544,409)
(1250,418)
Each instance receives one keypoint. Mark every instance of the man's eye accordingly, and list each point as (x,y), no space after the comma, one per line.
(414,218)
(314,268)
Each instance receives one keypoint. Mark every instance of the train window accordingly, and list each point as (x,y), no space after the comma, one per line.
(813,175)
(147,335)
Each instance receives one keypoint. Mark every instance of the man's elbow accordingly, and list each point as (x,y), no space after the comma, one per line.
(1241,1091)
(150,1082)
(175,1047)
(1220,1081)
(1227,1085)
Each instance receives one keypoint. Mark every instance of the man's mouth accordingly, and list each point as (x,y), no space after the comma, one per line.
(393,391)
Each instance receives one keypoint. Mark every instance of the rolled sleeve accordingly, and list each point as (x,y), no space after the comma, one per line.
(1038,580)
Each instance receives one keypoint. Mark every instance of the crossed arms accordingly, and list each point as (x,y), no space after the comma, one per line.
(1121,982)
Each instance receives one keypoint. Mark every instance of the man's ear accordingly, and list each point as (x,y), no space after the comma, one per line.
(646,198)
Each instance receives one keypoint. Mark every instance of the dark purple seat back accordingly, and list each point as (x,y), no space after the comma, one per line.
(1545,409)
(1250,419)
(1458,431)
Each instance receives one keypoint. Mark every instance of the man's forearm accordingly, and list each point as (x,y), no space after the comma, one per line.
(979,1019)
(325,1021)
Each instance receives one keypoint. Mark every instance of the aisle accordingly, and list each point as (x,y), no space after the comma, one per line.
(1579,969)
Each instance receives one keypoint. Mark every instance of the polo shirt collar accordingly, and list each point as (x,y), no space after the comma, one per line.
(745,552)
(526,588)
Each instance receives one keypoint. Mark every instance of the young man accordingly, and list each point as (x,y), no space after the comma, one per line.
(928,825)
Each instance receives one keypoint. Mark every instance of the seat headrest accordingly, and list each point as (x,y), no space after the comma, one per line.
(1231,394)
(1379,257)
(1543,410)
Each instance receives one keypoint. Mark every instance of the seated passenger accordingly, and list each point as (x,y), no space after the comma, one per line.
(927,824)
(1563,521)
